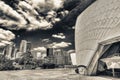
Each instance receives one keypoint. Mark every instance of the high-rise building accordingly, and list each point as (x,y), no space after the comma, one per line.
(14,53)
(28,48)
(2,50)
(50,52)
(59,57)
(67,58)
(25,46)
(9,50)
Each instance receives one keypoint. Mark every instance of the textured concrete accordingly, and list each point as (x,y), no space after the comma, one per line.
(99,22)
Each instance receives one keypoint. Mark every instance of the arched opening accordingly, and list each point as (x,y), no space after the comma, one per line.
(110,60)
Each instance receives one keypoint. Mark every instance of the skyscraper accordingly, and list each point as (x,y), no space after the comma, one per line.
(59,57)
(25,46)
(9,50)
(50,52)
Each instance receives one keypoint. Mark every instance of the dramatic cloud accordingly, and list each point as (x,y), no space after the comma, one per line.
(59,35)
(60,45)
(5,37)
(10,17)
(28,14)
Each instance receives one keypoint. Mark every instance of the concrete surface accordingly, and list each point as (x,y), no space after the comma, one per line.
(51,74)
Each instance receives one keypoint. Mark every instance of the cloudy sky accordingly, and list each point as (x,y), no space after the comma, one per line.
(45,23)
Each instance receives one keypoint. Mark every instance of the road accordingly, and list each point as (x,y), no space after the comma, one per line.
(48,74)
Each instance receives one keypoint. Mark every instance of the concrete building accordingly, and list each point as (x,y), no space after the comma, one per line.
(59,57)
(37,54)
(25,46)
(50,52)
(97,30)
(9,51)
(73,58)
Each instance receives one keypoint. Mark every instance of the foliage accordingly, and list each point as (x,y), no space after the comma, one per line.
(5,64)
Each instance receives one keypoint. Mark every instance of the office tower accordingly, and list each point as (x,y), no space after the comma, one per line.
(2,51)
(9,49)
(50,52)
(28,48)
(14,53)
(59,57)
(67,58)
(25,46)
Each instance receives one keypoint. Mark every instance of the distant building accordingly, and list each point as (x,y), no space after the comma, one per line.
(38,54)
(14,53)
(2,50)
(59,57)
(67,58)
(50,52)
(19,54)
(73,58)
(9,51)
(25,46)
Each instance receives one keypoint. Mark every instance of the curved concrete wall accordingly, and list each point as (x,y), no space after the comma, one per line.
(100,21)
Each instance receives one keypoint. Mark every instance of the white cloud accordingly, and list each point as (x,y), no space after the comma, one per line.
(58,3)
(43,5)
(59,45)
(5,37)
(45,40)
(59,35)
(42,49)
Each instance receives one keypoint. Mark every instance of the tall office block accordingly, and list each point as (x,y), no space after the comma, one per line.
(59,57)
(28,48)
(14,53)
(50,52)
(9,49)
(67,58)
(25,46)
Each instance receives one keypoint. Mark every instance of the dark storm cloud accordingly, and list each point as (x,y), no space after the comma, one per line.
(27,14)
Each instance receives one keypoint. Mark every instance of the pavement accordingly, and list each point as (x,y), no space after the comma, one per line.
(48,74)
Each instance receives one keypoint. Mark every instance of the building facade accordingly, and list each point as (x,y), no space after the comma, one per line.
(98,23)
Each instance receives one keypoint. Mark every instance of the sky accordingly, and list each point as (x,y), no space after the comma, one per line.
(35,21)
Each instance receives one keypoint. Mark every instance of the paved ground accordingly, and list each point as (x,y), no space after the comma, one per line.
(56,74)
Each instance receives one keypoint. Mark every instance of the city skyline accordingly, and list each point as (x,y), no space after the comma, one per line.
(38,24)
